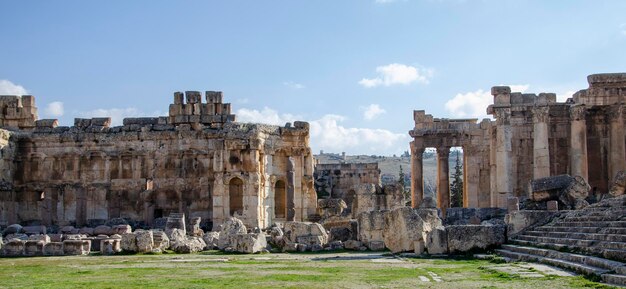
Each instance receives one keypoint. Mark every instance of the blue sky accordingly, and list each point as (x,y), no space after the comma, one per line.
(354,69)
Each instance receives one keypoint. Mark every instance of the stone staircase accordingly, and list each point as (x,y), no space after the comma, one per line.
(591,241)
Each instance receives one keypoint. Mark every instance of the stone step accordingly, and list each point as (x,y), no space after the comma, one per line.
(614,279)
(605,230)
(614,254)
(571,257)
(588,218)
(573,266)
(576,235)
(572,242)
(619,224)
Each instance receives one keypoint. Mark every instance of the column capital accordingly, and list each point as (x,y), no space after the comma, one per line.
(443,151)
(541,114)
(503,116)
(578,112)
(616,112)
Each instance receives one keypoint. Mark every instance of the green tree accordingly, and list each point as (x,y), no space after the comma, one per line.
(407,193)
(456,188)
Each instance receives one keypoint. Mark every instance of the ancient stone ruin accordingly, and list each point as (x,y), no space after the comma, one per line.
(543,182)
(197,161)
(532,137)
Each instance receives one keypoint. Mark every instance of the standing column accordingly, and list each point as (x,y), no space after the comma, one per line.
(417,177)
(541,144)
(443,179)
(617,147)
(578,149)
(291,184)
(503,156)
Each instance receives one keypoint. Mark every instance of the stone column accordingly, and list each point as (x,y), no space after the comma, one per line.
(541,144)
(417,177)
(471,176)
(291,201)
(503,156)
(443,179)
(617,154)
(578,142)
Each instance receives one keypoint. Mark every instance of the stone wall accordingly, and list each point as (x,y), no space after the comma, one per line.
(196,161)
(533,136)
(359,185)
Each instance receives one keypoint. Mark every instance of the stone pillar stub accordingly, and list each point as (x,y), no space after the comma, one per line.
(417,177)
(578,142)
(541,144)
(291,200)
(443,178)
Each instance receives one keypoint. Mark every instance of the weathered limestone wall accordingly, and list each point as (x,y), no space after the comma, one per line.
(359,185)
(196,161)
(532,136)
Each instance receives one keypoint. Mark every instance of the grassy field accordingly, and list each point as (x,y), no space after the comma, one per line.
(216,270)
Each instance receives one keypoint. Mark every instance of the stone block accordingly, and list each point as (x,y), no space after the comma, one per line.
(144,241)
(467,238)
(129,242)
(193,97)
(404,226)
(40,237)
(13,229)
(376,245)
(102,230)
(175,109)
(76,247)
(211,239)
(86,231)
(552,206)
(518,221)
(47,123)
(33,248)
(53,249)
(179,98)
(213,96)
(352,245)
(101,121)
(250,243)
(110,246)
(437,241)
(13,248)
(56,237)
(121,229)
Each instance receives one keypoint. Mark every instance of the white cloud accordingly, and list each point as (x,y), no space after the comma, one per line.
(117,115)
(266,115)
(622,28)
(372,111)
(54,109)
(293,85)
(10,88)
(327,133)
(397,73)
(474,104)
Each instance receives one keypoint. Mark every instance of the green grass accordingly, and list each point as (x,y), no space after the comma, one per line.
(208,270)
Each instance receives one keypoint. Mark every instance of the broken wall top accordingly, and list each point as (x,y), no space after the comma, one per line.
(604,89)
(187,113)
